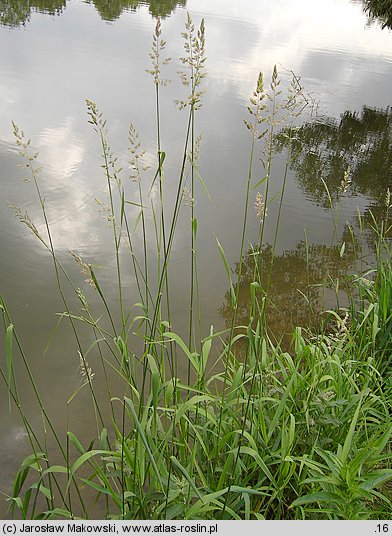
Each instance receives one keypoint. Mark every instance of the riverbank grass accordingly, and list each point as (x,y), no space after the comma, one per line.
(254,430)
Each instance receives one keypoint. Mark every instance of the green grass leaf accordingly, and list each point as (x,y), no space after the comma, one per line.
(322,496)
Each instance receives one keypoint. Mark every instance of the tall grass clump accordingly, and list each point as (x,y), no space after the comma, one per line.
(253,430)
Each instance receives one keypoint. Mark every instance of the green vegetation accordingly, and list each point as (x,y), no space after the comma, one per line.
(254,431)
(110,10)
(380,10)
(326,148)
(18,12)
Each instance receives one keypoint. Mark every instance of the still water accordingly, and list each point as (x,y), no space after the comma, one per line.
(55,54)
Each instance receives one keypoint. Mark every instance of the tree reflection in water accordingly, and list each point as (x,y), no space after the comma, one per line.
(323,151)
(18,12)
(295,296)
(111,9)
(359,143)
(327,148)
(380,10)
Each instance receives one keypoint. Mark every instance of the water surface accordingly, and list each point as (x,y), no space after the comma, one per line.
(56,54)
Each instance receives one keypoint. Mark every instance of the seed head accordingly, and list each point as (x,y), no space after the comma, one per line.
(24,150)
(257,108)
(194,60)
(261,211)
(187,198)
(388,199)
(23,217)
(85,371)
(84,268)
(158,46)
(345,184)
(136,154)
(95,116)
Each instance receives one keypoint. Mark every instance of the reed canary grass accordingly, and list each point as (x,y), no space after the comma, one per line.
(265,434)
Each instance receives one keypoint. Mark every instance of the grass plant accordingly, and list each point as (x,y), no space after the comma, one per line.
(265,433)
